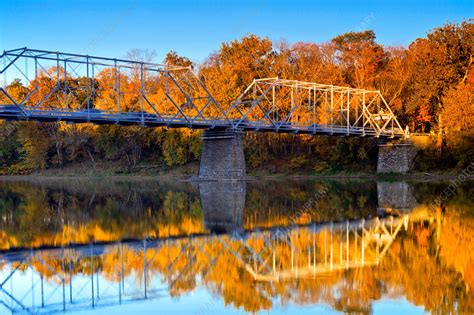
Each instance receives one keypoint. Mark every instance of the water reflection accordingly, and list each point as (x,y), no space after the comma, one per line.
(223,205)
(395,196)
(257,246)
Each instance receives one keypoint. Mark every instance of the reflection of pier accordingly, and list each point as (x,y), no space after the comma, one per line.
(395,196)
(223,205)
(47,280)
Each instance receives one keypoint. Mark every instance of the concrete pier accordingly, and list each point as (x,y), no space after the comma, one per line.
(222,156)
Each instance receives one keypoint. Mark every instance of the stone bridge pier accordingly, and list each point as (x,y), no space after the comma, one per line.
(396,156)
(222,156)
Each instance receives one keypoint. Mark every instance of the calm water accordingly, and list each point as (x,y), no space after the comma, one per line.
(280,247)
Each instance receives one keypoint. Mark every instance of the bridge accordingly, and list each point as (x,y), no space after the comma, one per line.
(75,88)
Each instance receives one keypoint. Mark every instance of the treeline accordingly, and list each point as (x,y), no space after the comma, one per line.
(429,85)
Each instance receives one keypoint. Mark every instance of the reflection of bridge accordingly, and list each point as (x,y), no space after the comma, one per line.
(361,243)
(95,275)
(79,88)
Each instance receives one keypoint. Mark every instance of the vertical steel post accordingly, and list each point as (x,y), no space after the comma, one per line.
(273,104)
(93,84)
(66,98)
(326,108)
(348,111)
(297,102)
(116,83)
(309,99)
(119,97)
(314,107)
(57,80)
(292,103)
(332,107)
(341,108)
(142,88)
(363,113)
(88,87)
(36,80)
(166,88)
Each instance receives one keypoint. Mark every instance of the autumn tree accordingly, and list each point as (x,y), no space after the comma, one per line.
(458,113)
(360,57)
(229,71)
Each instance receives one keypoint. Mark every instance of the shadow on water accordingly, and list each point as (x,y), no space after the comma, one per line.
(260,245)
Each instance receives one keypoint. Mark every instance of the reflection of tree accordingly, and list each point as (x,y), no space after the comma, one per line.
(53,213)
(272,203)
(424,280)
(37,216)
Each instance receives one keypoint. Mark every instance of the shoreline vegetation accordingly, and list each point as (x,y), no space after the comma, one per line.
(429,85)
(189,173)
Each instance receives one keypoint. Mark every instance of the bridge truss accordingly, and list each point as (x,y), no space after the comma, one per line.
(76,88)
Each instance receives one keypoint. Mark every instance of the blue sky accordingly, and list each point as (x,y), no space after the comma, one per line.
(197,28)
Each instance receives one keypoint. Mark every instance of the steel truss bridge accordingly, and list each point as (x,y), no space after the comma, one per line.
(88,89)
(89,276)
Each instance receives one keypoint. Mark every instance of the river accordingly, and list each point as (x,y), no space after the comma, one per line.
(139,246)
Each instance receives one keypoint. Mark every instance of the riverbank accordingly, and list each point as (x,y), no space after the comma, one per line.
(188,172)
